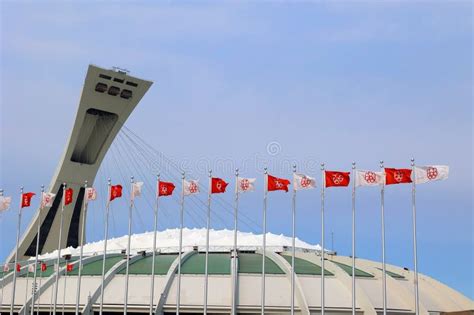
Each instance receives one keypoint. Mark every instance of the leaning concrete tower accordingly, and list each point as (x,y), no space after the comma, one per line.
(108,98)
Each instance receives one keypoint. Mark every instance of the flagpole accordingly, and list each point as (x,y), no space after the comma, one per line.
(384,274)
(264,245)
(415,253)
(127,269)
(235,270)
(16,252)
(323,185)
(178,293)
(37,251)
(206,264)
(106,232)
(64,288)
(155,227)
(353,239)
(1,234)
(59,249)
(83,230)
(39,297)
(293,214)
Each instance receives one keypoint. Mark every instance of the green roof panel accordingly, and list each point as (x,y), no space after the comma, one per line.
(143,266)
(219,264)
(252,263)
(348,270)
(305,267)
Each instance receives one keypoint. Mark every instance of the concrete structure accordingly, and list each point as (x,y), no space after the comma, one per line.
(108,98)
(435,297)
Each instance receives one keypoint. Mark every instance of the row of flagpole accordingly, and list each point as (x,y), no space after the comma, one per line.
(216,185)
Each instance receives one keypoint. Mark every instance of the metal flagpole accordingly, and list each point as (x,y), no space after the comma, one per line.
(264,245)
(64,288)
(39,297)
(55,301)
(83,230)
(155,227)
(234,266)
(106,233)
(26,286)
(1,223)
(37,252)
(178,293)
(206,264)
(293,221)
(127,269)
(415,253)
(323,186)
(16,253)
(353,240)
(384,274)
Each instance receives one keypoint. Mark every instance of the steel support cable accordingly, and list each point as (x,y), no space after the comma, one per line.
(175,198)
(203,205)
(172,177)
(218,199)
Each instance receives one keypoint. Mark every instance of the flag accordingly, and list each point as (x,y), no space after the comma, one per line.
(68,196)
(18,267)
(165,188)
(245,184)
(47,199)
(336,179)
(191,187)
(369,178)
(26,199)
(5,203)
(6,268)
(424,174)
(31,268)
(136,189)
(301,181)
(44,267)
(397,176)
(69,267)
(115,192)
(218,185)
(90,194)
(275,183)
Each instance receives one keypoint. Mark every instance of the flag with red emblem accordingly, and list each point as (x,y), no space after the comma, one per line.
(425,174)
(191,187)
(26,199)
(275,183)
(47,199)
(245,184)
(44,267)
(69,267)
(301,181)
(5,203)
(218,185)
(68,196)
(397,176)
(115,192)
(368,178)
(336,179)
(18,267)
(90,194)
(165,188)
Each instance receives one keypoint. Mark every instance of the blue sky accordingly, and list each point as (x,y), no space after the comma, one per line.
(334,82)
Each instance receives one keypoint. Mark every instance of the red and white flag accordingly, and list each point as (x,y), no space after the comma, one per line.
(47,199)
(191,187)
(369,178)
(425,174)
(90,194)
(6,268)
(301,181)
(165,188)
(336,179)
(26,199)
(68,196)
(275,183)
(136,189)
(5,203)
(245,184)
(44,267)
(115,192)
(218,185)
(397,176)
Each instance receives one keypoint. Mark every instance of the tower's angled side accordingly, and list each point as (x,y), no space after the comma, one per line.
(108,98)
